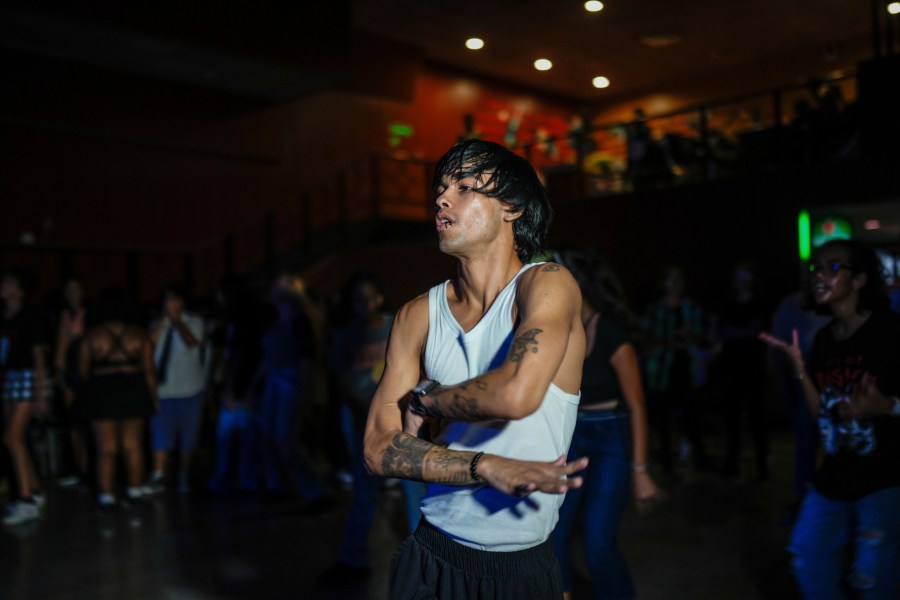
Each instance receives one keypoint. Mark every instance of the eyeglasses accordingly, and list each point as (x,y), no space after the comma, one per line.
(830,269)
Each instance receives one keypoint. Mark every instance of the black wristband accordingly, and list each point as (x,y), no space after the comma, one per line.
(473,466)
(416,406)
(415,399)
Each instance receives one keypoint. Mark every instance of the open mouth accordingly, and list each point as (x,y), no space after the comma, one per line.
(443,222)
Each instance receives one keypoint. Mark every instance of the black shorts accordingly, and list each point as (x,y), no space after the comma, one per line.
(431,565)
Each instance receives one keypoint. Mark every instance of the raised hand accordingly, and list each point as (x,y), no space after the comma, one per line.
(522,477)
(792,350)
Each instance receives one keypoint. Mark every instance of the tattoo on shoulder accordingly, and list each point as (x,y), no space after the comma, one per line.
(550,267)
(525,343)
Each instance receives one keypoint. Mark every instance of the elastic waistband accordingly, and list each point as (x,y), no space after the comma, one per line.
(518,563)
(602,415)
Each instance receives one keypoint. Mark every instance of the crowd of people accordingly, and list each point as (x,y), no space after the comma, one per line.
(615,405)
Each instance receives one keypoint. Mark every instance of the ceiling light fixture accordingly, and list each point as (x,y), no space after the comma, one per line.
(894,8)
(660,40)
(600,82)
(872,225)
(542,64)
(593,6)
(474,43)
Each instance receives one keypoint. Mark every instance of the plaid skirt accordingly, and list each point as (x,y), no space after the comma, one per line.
(18,386)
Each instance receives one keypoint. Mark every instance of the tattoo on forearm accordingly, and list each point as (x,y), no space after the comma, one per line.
(404,457)
(525,343)
(456,405)
(550,267)
(408,457)
(447,466)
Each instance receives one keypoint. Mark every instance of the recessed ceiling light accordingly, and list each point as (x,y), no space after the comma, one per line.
(660,40)
(601,82)
(474,43)
(894,8)
(593,6)
(872,225)
(542,64)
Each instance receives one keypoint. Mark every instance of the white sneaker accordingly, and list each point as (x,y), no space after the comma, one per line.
(39,499)
(21,512)
(155,485)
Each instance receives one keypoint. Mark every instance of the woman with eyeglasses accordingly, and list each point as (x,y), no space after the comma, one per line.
(851,386)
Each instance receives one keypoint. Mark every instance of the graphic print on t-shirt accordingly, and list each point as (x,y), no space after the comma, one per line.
(837,382)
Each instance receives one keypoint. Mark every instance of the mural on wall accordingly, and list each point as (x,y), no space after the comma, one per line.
(525,125)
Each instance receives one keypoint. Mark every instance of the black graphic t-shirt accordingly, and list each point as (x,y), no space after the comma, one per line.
(19,335)
(600,382)
(861,456)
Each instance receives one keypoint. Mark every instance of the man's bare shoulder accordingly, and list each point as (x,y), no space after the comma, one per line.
(411,321)
(549,277)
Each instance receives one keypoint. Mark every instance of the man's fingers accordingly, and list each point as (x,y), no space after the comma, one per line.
(524,489)
(573,483)
(576,465)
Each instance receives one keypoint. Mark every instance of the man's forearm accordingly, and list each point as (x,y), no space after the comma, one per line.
(485,397)
(408,457)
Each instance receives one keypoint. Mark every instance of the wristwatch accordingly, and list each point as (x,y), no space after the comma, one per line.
(415,396)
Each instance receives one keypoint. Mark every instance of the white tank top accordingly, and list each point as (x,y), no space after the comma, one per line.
(480,516)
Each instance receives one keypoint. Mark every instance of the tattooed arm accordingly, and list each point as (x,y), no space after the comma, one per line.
(392,452)
(548,346)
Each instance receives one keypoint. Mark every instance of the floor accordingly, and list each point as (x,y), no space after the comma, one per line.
(713,539)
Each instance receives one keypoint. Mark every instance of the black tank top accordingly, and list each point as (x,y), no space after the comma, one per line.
(124,358)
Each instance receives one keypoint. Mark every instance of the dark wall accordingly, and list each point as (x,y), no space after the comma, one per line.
(708,228)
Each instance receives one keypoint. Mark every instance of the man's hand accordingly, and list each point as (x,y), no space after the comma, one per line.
(412,423)
(522,477)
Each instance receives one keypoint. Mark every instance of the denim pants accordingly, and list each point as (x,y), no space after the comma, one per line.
(605,438)
(280,409)
(828,530)
(236,434)
(355,545)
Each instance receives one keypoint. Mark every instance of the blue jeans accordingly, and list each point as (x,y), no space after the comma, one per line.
(280,409)
(355,545)
(236,434)
(605,438)
(823,536)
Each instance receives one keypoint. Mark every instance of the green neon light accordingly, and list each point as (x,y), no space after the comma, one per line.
(803,236)
(400,129)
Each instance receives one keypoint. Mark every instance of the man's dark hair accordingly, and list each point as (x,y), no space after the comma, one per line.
(178,290)
(508,177)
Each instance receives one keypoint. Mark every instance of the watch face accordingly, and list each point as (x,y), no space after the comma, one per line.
(425,387)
